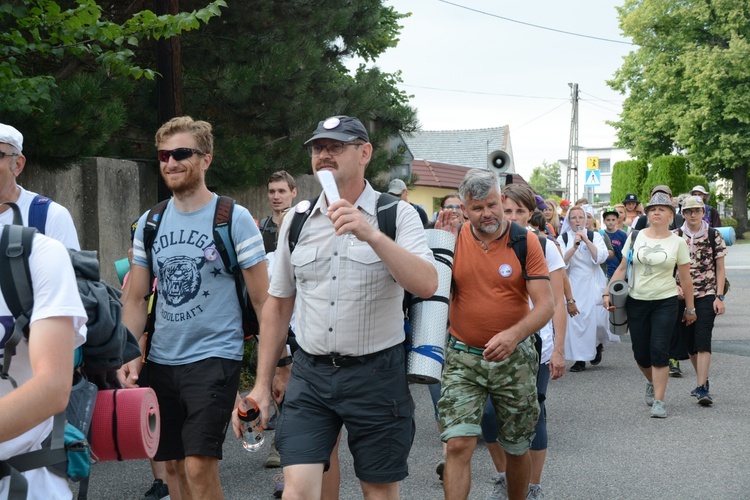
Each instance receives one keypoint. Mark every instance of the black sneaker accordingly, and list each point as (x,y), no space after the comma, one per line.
(440,468)
(598,358)
(157,491)
(578,366)
(674,368)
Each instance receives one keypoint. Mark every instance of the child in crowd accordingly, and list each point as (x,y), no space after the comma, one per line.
(616,236)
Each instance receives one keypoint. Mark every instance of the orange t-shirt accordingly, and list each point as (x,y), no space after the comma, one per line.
(489,291)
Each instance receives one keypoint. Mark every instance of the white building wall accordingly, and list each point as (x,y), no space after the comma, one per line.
(607,159)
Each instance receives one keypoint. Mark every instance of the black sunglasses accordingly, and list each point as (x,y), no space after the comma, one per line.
(178,154)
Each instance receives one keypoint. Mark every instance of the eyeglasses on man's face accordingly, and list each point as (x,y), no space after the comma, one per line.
(178,154)
(333,148)
(455,208)
(3,154)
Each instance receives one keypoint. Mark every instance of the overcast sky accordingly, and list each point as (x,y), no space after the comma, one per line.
(492,72)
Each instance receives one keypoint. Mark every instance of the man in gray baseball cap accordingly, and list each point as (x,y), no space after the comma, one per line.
(342,128)
(48,217)
(397,187)
(351,355)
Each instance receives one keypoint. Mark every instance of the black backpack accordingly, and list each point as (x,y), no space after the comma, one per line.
(222,232)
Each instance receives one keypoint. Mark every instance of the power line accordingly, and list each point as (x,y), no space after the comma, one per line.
(591,103)
(571,33)
(617,101)
(543,114)
(483,93)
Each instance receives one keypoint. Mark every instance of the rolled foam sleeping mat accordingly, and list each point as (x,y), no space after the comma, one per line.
(125,425)
(728,234)
(122,267)
(618,296)
(429,317)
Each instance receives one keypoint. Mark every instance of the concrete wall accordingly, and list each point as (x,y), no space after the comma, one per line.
(103,196)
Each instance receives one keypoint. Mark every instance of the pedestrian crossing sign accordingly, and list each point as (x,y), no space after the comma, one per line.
(593,178)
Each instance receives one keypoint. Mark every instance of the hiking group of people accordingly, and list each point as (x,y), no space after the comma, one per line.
(326,280)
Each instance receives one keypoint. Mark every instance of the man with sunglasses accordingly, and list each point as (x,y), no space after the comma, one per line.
(347,278)
(197,344)
(59,224)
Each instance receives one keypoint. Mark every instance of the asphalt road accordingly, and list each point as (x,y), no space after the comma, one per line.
(602,442)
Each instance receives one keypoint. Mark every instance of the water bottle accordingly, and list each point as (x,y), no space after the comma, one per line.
(252,434)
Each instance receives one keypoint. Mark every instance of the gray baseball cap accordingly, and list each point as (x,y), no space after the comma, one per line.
(397,186)
(341,128)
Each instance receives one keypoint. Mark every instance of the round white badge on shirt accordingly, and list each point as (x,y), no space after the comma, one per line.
(302,207)
(505,271)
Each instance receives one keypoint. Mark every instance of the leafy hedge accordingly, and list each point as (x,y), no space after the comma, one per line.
(627,177)
(668,171)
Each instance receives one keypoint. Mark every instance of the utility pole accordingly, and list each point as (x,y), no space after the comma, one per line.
(571,180)
(169,80)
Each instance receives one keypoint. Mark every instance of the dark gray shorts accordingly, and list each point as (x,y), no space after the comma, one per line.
(195,406)
(370,398)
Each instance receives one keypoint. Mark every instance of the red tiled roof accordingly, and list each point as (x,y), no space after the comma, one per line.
(434,174)
(443,175)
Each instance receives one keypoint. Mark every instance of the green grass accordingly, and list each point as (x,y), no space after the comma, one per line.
(745,240)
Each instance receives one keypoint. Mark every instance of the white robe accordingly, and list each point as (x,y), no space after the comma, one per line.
(588,328)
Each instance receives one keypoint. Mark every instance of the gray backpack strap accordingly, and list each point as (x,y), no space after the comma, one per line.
(18,488)
(15,248)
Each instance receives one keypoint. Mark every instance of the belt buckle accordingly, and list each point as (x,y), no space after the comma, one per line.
(333,360)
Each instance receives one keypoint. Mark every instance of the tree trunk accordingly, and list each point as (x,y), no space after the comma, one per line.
(169,80)
(739,198)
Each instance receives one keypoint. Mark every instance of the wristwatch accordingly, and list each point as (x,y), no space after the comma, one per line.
(285,361)
(690,311)
(570,301)
(720,297)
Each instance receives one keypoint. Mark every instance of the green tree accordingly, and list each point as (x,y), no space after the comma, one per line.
(264,79)
(627,177)
(68,69)
(687,87)
(260,74)
(39,38)
(545,178)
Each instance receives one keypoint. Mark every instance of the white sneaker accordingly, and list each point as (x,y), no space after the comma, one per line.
(658,410)
(500,490)
(649,393)
(535,492)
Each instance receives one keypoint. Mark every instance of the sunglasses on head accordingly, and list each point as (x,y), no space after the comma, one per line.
(178,154)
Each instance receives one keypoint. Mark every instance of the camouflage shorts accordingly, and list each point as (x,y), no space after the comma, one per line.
(511,384)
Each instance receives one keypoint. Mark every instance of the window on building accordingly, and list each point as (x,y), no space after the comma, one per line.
(604,167)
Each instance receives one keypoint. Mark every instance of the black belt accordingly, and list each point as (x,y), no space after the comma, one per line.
(339,360)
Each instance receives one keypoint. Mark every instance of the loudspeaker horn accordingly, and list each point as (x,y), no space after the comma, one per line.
(498,161)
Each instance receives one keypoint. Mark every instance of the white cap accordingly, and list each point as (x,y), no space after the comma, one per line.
(10,135)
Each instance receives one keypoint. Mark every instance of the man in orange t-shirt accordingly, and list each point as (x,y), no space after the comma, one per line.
(491,347)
